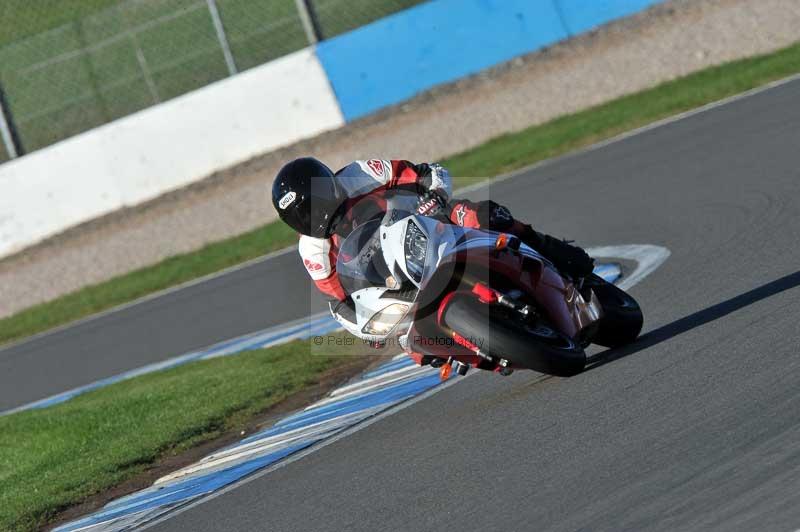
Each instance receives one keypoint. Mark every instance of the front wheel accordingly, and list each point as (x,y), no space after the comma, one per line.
(535,346)
(622,317)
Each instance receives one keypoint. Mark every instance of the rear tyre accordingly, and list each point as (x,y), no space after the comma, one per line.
(622,317)
(536,346)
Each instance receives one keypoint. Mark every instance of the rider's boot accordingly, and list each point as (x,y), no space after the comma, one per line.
(569,259)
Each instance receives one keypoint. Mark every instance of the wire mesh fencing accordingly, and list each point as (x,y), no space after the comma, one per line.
(133,54)
(338,16)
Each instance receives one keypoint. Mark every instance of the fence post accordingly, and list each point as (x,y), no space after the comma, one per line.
(308,16)
(8,130)
(223,39)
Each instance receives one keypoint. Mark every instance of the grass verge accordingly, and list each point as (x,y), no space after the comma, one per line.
(502,154)
(53,458)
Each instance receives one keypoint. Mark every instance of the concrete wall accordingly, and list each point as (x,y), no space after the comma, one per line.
(162,148)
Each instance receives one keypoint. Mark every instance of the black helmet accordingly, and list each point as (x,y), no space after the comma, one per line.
(307,197)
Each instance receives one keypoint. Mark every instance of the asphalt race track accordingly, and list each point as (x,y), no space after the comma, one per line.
(695,427)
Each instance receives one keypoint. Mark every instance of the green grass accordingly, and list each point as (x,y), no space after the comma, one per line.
(23,18)
(53,458)
(55,92)
(502,154)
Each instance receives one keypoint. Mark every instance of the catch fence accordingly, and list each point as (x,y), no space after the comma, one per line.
(62,74)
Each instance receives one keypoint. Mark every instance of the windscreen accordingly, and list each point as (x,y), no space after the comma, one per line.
(360,264)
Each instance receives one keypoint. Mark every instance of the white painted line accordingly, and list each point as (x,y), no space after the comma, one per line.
(293,435)
(127,522)
(647,257)
(397,376)
(223,462)
(349,387)
(345,390)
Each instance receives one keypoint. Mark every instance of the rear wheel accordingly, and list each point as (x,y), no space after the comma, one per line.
(536,346)
(622,317)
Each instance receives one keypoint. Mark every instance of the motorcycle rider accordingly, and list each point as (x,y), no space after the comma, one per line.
(321,205)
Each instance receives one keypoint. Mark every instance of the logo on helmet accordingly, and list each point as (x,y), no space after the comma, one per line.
(287,200)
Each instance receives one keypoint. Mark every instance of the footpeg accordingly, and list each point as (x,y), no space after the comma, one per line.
(446,370)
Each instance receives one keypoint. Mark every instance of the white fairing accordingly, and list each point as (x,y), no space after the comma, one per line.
(443,241)
(368,302)
(371,301)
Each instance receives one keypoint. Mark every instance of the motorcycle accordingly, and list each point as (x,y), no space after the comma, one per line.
(456,297)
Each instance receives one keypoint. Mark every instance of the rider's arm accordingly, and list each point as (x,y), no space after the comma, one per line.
(319,258)
(363,177)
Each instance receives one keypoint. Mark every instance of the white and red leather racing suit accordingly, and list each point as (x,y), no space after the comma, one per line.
(367,179)
(358,180)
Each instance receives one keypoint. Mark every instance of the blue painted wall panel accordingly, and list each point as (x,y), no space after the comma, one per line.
(584,15)
(439,41)
(397,57)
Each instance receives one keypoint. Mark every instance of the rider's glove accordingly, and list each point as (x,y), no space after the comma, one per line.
(436,179)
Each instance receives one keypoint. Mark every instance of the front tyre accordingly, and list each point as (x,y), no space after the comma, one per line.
(622,317)
(535,346)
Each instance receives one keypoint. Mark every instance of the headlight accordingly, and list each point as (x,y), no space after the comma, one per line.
(415,249)
(384,321)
